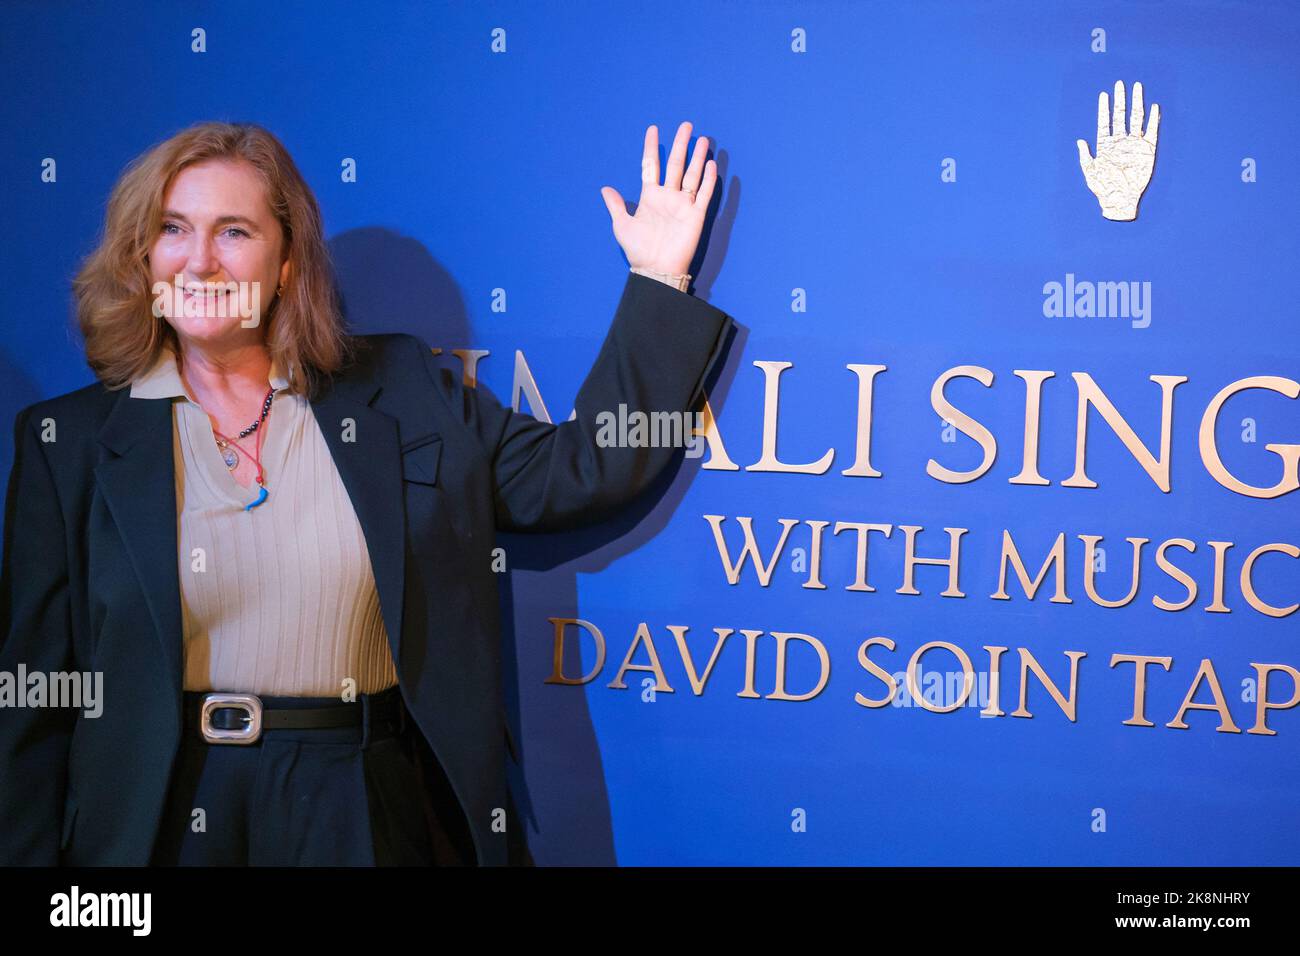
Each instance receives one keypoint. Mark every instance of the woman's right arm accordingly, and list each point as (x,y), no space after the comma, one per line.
(36,631)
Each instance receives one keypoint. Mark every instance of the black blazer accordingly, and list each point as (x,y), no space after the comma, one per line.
(90,579)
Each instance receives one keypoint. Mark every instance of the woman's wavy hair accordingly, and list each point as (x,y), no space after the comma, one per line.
(305,331)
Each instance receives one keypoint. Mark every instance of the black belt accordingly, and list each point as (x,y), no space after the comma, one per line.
(234,718)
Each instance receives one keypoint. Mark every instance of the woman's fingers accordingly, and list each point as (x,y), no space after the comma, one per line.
(614,203)
(677,157)
(706,189)
(650,157)
(691,181)
(699,179)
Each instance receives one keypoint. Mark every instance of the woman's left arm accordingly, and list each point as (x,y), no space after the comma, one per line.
(659,350)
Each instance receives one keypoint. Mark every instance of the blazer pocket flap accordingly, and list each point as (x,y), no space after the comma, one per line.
(420,460)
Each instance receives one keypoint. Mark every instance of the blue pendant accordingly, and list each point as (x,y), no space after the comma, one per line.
(261,496)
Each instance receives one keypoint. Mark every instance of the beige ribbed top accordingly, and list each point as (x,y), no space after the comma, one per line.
(279,600)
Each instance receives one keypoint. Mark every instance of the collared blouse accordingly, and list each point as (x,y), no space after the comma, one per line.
(279,600)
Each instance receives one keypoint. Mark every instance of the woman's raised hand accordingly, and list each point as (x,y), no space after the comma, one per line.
(665,231)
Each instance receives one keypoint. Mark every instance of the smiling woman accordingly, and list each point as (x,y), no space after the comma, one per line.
(243,251)
(275,539)
(215,203)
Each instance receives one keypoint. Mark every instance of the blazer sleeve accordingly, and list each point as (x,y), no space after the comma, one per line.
(35,627)
(660,349)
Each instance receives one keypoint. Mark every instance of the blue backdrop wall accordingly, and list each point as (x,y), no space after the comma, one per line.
(837,239)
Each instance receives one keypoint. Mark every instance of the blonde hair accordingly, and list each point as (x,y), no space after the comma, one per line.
(305,331)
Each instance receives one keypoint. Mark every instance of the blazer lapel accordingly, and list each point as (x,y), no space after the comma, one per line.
(367,453)
(139,485)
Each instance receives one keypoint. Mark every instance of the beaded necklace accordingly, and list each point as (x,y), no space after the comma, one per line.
(231,457)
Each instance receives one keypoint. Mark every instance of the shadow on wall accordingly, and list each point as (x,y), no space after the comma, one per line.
(391,283)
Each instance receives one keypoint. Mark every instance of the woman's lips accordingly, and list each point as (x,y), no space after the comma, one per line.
(205,293)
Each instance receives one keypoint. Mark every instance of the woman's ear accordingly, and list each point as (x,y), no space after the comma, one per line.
(285,272)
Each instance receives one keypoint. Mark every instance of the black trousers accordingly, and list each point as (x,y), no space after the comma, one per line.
(346,796)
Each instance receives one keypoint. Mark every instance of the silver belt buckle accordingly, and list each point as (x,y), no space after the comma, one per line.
(248,702)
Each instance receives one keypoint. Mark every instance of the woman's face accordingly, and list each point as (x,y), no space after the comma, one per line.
(217,228)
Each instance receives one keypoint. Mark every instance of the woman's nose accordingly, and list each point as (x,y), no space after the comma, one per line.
(201,260)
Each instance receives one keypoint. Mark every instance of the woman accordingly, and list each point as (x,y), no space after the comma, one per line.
(273,540)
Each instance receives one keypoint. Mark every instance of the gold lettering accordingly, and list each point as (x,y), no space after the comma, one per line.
(1206,671)
(1139,718)
(876,671)
(782,640)
(994,709)
(1056,558)
(718,459)
(1033,404)
(1027,663)
(815,558)
(1248,584)
(863,529)
(1178,574)
(557,660)
(750,550)
(1262,704)
(771,400)
(1090,394)
(911,560)
(963,423)
(1290,454)
(642,637)
(967,671)
(678,631)
(1090,570)
(862,463)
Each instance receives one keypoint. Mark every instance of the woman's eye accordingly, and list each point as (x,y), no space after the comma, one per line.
(237,230)
(168,226)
